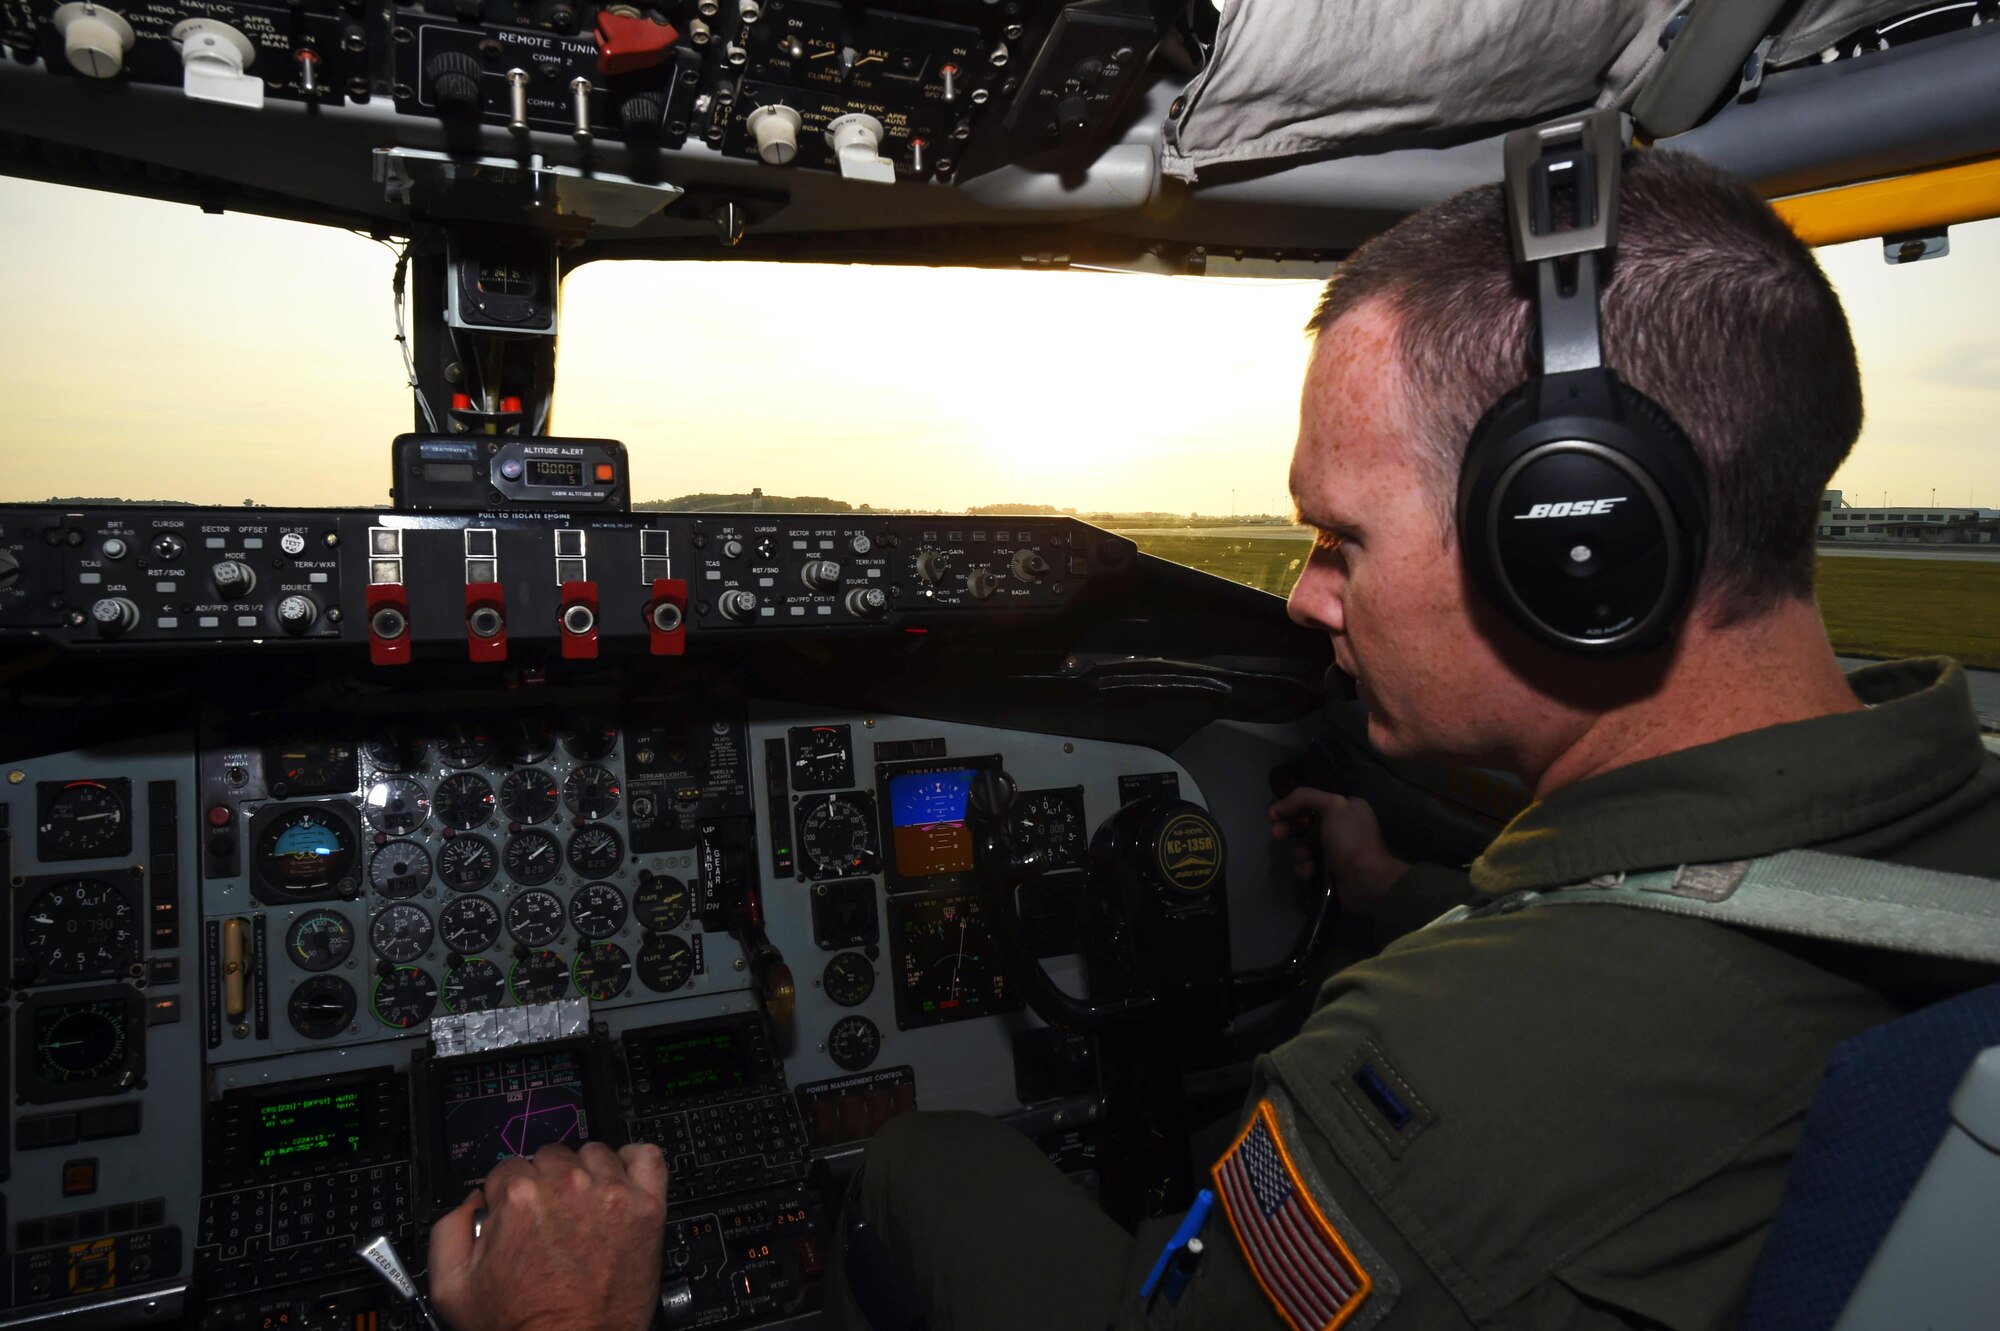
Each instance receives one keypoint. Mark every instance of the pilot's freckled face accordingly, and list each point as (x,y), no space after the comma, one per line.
(1384,578)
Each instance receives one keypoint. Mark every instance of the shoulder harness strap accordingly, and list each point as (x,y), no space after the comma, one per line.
(1808,893)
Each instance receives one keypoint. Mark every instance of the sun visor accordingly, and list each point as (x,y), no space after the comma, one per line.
(1292,78)
(1818,24)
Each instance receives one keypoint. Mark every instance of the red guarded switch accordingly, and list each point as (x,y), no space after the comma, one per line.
(485,621)
(578,620)
(666,616)
(626,45)
(388,624)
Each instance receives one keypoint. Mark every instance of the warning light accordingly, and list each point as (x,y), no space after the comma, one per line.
(604,471)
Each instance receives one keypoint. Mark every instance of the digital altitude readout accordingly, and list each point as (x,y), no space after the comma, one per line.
(927,819)
(553,471)
(306,1129)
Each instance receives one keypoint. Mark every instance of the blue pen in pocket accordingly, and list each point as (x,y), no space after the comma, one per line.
(1182,1254)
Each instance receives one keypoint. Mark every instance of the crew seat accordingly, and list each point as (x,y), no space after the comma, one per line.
(1891,1213)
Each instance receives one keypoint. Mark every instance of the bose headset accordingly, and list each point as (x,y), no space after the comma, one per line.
(1582,507)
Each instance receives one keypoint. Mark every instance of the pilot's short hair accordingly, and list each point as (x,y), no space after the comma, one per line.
(1714,309)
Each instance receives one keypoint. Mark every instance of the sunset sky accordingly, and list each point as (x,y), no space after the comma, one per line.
(155,352)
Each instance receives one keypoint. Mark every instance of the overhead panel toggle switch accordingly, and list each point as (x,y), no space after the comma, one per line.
(95,39)
(856,140)
(214,58)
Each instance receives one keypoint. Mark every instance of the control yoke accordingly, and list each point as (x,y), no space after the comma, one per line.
(1154,919)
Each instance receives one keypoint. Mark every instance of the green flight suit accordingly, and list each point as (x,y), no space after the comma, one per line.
(1578,1118)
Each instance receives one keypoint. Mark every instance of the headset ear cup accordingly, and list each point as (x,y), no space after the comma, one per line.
(1514,443)
(1479,446)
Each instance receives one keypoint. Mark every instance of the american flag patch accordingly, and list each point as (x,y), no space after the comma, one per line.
(1308,1272)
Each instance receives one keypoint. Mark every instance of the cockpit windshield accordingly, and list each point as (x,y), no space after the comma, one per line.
(258,365)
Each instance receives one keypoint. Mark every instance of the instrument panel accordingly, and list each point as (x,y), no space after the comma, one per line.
(364,955)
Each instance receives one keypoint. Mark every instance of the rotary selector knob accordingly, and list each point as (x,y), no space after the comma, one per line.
(930,567)
(115,615)
(980,583)
(297,613)
(10,569)
(821,575)
(640,115)
(233,578)
(867,602)
(737,605)
(859,543)
(776,132)
(1072,115)
(95,39)
(1029,566)
(454,79)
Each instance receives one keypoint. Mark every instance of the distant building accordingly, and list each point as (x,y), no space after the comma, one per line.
(1905,524)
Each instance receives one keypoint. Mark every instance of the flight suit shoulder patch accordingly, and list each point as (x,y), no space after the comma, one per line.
(1383,1098)
(1309,1259)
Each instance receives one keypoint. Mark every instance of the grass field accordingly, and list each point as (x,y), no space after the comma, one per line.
(1873,607)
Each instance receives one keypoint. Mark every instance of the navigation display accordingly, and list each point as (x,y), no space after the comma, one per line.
(927,820)
(510,1104)
(291,1130)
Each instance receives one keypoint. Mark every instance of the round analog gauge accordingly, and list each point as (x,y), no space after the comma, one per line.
(602,971)
(463,801)
(468,863)
(522,742)
(533,857)
(591,792)
(539,977)
(396,806)
(474,985)
(597,911)
(319,940)
(305,849)
(822,757)
(469,924)
(83,820)
(401,933)
(465,746)
(535,918)
(392,753)
(596,852)
(404,997)
(838,838)
(1049,827)
(587,743)
(853,1042)
(82,926)
(661,903)
(321,1007)
(77,1042)
(400,869)
(848,979)
(529,796)
(666,963)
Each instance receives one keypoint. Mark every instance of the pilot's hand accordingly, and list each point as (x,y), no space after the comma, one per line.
(570,1242)
(1342,834)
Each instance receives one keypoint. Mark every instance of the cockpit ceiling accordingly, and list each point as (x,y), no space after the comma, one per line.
(1282,131)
